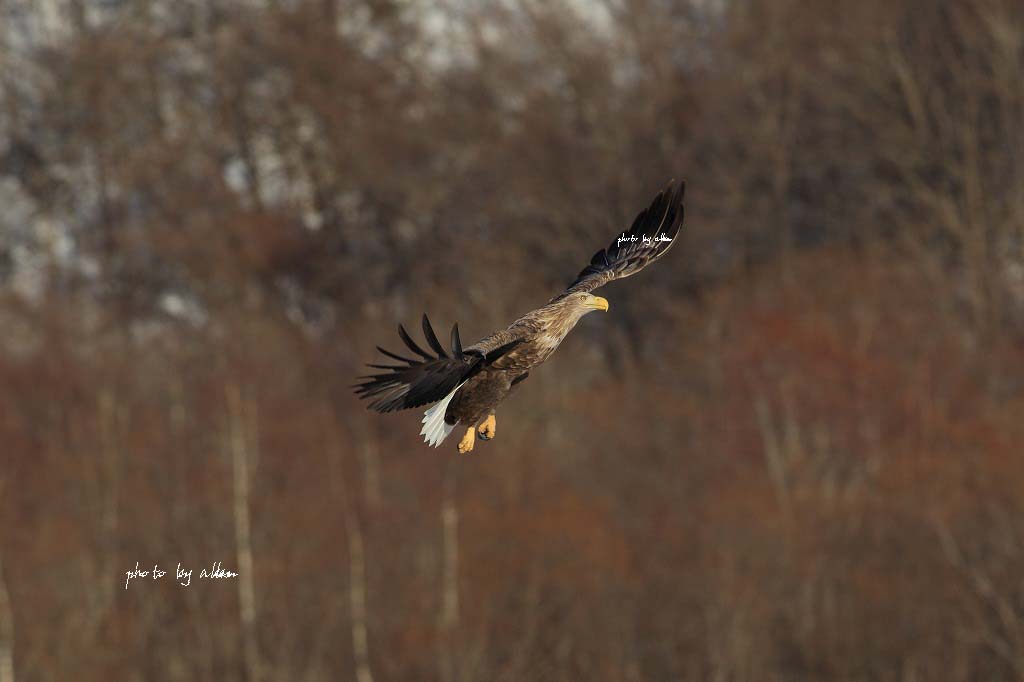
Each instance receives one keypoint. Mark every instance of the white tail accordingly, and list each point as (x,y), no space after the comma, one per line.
(435,429)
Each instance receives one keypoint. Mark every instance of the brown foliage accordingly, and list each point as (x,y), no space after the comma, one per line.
(791,451)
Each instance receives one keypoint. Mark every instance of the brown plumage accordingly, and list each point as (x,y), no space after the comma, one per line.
(467,384)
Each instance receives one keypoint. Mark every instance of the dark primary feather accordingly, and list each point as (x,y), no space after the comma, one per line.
(412,344)
(662,218)
(456,341)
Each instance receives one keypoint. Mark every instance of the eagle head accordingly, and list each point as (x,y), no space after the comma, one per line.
(585,303)
(560,316)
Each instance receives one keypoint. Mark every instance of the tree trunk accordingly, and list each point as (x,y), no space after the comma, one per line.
(357,599)
(6,632)
(357,586)
(449,617)
(237,432)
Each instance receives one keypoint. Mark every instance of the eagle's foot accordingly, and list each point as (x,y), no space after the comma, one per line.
(487,429)
(467,442)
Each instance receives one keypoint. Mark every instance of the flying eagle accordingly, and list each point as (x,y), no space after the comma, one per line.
(467,384)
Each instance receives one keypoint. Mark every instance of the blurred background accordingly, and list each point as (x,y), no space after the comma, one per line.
(793,450)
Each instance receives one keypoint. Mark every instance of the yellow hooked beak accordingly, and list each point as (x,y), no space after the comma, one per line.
(599,303)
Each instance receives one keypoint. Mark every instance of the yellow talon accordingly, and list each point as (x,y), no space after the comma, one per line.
(467,442)
(488,428)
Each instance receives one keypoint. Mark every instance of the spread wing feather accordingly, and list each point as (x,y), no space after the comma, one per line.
(418,382)
(629,253)
(431,337)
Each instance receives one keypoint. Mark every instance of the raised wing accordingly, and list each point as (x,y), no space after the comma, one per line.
(653,233)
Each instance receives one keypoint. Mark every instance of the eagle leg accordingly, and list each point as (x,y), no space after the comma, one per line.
(467,442)
(487,428)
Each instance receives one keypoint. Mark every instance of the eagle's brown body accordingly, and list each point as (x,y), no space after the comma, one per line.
(479,397)
(469,384)
(541,330)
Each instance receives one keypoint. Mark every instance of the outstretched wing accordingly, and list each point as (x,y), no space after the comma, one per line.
(427,379)
(653,233)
